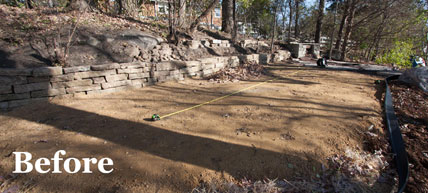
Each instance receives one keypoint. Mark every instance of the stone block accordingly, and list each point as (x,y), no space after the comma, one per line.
(116,77)
(75,83)
(115,84)
(38,79)
(192,63)
(4,105)
(12,80)
(83,88)
(91,74)
(18,103)
(9,97)
(49,92)
(103,67)
(219,65)
(208,60)
(193,44)
(139,75)
(31,87)
(15,72)
(161,73)
(99,80)
(207,72)
(5,89)
(129,70)
(194,69)
(161,66)
(208,66)
(77,69)
(216,41)
(47,71)
(60,78)
(133,65)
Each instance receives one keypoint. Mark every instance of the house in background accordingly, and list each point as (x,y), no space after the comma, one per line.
(159,8)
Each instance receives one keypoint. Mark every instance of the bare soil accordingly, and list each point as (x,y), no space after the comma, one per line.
(411,107)
(283,129)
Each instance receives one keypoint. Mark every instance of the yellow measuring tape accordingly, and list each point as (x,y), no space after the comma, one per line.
(222,97)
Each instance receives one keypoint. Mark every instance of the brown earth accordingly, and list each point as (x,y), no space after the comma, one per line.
(283,129)
(411,107)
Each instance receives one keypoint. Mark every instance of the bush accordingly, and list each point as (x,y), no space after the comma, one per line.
(398,55)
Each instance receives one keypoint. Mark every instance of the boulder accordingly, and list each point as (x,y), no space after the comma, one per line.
(416,76)
(121,50)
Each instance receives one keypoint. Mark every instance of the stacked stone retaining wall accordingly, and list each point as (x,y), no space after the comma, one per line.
(23,86)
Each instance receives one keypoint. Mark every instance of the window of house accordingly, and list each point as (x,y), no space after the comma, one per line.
(217,12)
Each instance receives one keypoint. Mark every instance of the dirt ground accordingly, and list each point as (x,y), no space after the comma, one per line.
(411,107)
(283,129)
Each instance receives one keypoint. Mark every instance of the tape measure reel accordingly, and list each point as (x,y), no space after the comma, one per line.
(155,117)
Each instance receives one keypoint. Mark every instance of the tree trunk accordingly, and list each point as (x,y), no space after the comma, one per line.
(342,25)
(296,20)
(290,5)
(195,23)
(348,29)
(273,29)
(182,13)
(235,24)
(227,16)
(319,21)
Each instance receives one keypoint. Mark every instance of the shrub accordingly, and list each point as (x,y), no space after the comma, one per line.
(398,55)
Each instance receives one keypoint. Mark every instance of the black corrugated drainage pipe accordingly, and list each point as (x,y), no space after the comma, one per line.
(396,139)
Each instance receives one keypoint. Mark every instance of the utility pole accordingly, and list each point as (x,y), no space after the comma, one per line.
(332,33)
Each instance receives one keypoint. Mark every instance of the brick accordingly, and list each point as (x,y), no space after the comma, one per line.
(129,71)
(15,72)
(47,71)
(49,92)
(9,97)
(38,79)
(75,83)
(12,80)
(77,69)
(116,77)
(90,74)
(99,80)
(115,84)
(31,87)
(105,67)
(139,75)
(5,89)
(83,88)
(60,78)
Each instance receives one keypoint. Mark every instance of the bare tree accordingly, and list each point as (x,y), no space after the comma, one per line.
(342,24)
(348,28)
(319,20)
(290,19)
(227,16)
(198,20)
(296,20)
